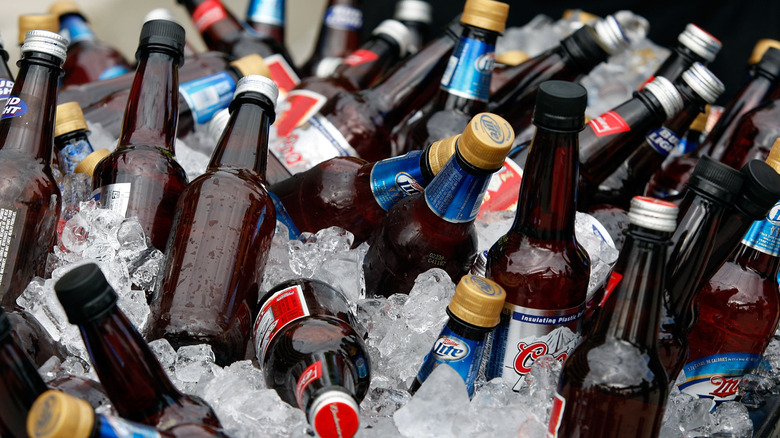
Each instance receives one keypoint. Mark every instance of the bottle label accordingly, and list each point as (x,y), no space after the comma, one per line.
(282,73)
(281,309)
(114,427)
(206,96)
(395,178)
(663,140)
(8,231)
(300,107)
(344,17)
(608,123)
(208,13)
(469,70)
(112,72)
(6,85)
(266,11)
(75,29)
(456,195)
(764,235)
(115,197)
(718,376)
(524,335)
(284,217)
(312,373)
(463,355)
(502,190)
(14,107)
(360,56)
(72,154)
(559,404)
(308,145)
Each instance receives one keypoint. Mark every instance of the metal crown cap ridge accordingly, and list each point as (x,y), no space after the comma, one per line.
(258,84)
(397,31)
(700,42)
(703,82)
(653,214)
(611,35)
(44,41)
(670,99)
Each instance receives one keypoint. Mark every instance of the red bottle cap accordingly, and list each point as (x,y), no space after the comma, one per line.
(334,414)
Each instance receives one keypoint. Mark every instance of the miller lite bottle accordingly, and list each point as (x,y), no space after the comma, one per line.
(72,142)
(339,36)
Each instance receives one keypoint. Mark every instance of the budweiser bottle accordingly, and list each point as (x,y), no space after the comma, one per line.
(266,17)
(29,197)
(435,229)
(339,36)
(6,77)
(199,298)
(312,353)
(416,16)
(133,378)
(694,45)
(613,384)
(544,302)
(28,22)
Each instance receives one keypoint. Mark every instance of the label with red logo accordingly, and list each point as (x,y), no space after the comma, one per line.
(315,141)
(609,123)
(525,335)
(614,280)
(301,106)
(310,374)
(559,404)
(8,231)
(718,376)
(502,190)
(208,13)
(281,309)
(360,56)
(282,73)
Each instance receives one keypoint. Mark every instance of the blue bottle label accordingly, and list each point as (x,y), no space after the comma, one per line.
(344,17)
(284,217)
(72,154)
(266,11)
(395,178)
(75,29)
(469,70)
(764,235)
(456,195)
(14,107)
(663,140)
(718,376)
(6,85)
(206,96)
(113,71)
(113,427)
(463,355)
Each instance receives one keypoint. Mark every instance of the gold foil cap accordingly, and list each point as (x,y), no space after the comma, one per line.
(774,156)
(760,48)
(486,141)
(69,118)
(581,16)
(90,162)
(700,122)
(58,415)
(30,22)
(64,7)
(478,301)
(512,57)
(252,65)
(485,14)
(441,151)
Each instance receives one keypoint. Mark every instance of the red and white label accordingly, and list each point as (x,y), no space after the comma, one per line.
(360,56)
(336,420)
(301,106)
(502,189)
(559,403)
(310,374)
(609,123)
(312,143)
(208,13)
(614,279)
(281,309)
(282,73)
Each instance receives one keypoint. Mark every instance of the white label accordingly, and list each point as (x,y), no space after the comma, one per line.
(114,197)
(7,226)
(310,144)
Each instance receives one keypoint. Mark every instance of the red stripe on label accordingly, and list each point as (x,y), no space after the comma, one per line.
(559,403)
(302,105)
(360,56)
(609,123)
(282,73)
(208,13)
(310,374)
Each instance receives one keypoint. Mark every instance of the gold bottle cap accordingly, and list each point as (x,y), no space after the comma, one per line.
(30,22)
(581,16)
(774,156)
(486,141)
(700,122)
(441,151)
(69,118)
(485,14)
(90,162)
(252,65)
(760,48)
(64,7)
(58,415)
(478,301)
(512,57)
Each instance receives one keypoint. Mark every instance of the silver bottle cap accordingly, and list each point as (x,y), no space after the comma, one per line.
(413,10)
(47,42)
(398,32)
(258,84)
(160,14)
(217,124)
(611,35)
(700,42)
(653,214)
(670,99)
(703,82)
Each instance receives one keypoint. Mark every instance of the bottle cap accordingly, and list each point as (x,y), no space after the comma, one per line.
(760,189)
(441,151)
(396,31)
(478,301)
(63,7)
(485,14)
(774,156)
(85,293)
(666,94)
(653,214)
(69,118)
(30,22)
(486,141)
(160,14)
(770,63)
(334,414)
(579,15)
(413,10)
(513,57)
(88,164)
(760,48)
(700,122)
(560,105)
(47,42)
(5,324)
(699,42)
(253,64)
(585,47)
(162,35)
(217,123)
(611,34)
(715,179)
(258,84)
(58,415)
(703,82)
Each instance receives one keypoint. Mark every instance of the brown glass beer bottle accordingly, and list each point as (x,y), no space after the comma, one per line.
(416,16)
(6,77)
(694,45)
(339,36)
(266,17)
(755,133)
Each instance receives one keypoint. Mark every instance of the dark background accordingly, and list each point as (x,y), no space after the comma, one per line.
(739,24)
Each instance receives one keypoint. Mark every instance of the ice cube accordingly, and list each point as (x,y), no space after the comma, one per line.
(491,227)
(193,153)
(732,418)
(165,354)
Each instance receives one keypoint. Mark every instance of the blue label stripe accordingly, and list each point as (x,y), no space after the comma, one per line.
(663,140)
(267,11)
(75,29)
(284,217)
(466,364)
(764,235)
(547,320)
(112,72)
(469,70)
(395,178)
(206,96)
(456,195)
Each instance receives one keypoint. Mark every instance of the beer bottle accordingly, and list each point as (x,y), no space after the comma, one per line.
(141,177)
(474,312)
(694,45)
(312,353)
(6,77)
(755,133)
(30,335)
(189,51)
(266,17)
(613,384)
(134,380)
(416,16)
(465,85)
(72,143)
(28,22)
(88,58)
(692,139)
(435,229)
(200,297)
(339,36)
(29,196)
(544,302)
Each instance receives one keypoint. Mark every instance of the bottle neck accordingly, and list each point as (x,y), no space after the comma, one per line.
(526,74)
(465,84)
(681,59)
(244,142)
(75,28)
(5,73)
(213,21)
(364,66)
(152,111)
(340,31)
(760,249)
(267,18)
(456,192)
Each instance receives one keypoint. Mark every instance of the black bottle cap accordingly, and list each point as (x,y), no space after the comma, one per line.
(85,293)
(560,105)
(713,178)
(5,324)
(585,48)
(770,63)
(162,35)
(760,189)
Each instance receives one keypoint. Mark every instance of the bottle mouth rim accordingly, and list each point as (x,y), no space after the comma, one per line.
(47,42)
(666,94)
(703,82)
(612,35)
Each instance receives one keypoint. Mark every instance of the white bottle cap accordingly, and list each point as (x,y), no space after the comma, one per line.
(413,10)
(160,14)
(703,82)
(670,99)
(700,42)
(258,84)
(47,42)
(653,214)
(398,32)
(611,34)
